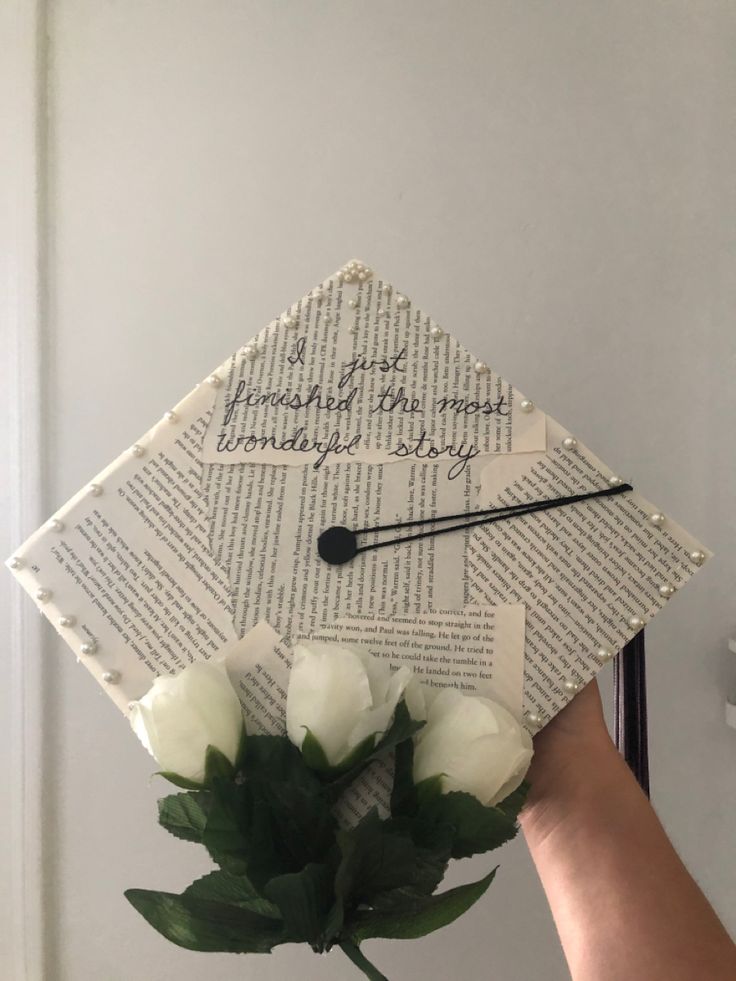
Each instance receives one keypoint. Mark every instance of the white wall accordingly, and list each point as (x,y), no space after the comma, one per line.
(552,180)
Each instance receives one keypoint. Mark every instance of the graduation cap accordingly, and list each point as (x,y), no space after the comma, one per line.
(354,464)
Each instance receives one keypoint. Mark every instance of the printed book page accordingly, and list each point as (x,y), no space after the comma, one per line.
(582,571)
(354,373)
(165,557)
(479,650)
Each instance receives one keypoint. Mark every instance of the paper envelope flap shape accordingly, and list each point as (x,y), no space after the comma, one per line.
(353,372)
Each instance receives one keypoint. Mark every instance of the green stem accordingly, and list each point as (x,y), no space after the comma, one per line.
(361,961)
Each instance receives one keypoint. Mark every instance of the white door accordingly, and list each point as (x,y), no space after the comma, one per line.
(552,181)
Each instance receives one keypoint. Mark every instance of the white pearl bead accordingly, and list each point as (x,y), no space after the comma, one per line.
(569,685)
(250,352)
(354,303)
(16,563)
(570,443)
(214,381)
(349,277)
(615,481)
(636,623)
(697,557)
(327,319)
(95,490)
(67,621)
(480,367)
(171,416)
(436,332)
(317,292)
(657,519)
(43,595)
(604,654)
(532,717)
(137,450)
(112,677)
(526,405)
(362,277)
(402,302)
(56,525)
(352,329)
(666,591)
(381,312)
(387,288)
(88,648)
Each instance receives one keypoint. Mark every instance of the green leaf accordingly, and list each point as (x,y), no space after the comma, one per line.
(272,758)
(183,815)
(274,822)
(429,789)
(303,821)
(183,782)
(402,728)
(418,917)
(404,800)
(234,890)
(314,756)
(240,754)
(224,834)
(288,801)
(374,860)
(473,827)
(358,958)
(200,924)
(217,766)
(428,871)
(304,899)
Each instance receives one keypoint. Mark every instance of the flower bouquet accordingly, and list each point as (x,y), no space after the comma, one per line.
(267,808)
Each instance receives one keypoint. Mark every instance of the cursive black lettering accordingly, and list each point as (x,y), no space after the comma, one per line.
(361,363)
(423,449)
(390,401)
(335,444)
(467,407)
(288,400)
(297,357)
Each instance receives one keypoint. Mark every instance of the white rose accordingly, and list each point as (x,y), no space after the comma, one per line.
(474,743)
(181,715)
(342,695)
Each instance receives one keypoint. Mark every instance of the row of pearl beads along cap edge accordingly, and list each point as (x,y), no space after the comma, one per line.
(657,519)
(352,272)
(291,321)
(435,332)
(634,622)
(603,654)
(43,595)
(87,647)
